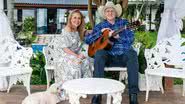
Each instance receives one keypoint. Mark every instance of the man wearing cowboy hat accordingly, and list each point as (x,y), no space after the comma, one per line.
(121,54)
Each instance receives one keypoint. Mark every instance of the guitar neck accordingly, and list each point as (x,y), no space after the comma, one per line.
(121,29)
(129,26)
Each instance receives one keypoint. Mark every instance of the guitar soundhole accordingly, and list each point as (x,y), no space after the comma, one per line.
(108,47)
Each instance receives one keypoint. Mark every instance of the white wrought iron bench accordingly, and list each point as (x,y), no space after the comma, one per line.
(172,51)
(155,67)
(19,68)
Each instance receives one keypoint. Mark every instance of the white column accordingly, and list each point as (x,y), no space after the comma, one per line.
(1,4)
(147,17)
(154,11)
(10,8)
(147,22)
(60,17)
(41,20)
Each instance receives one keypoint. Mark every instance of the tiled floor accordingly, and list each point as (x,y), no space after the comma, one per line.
(18,93)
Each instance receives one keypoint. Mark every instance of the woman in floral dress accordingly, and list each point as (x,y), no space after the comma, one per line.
(70,61)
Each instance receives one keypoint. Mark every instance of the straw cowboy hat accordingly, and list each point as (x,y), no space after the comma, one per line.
(110,4)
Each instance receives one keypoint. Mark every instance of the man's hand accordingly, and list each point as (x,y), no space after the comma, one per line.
(102,30)
(110,31)
(116,36)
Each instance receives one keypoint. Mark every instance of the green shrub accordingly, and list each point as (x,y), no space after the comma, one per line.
(178,81)
(37,64)
(35,80)
(28,28)
(88,26)
(28,24)
(148,40)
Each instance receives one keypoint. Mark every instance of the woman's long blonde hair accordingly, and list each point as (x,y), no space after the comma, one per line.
(81,27)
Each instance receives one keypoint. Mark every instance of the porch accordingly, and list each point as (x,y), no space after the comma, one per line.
(174,96)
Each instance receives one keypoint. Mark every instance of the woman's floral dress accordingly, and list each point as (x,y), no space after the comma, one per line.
(68,66)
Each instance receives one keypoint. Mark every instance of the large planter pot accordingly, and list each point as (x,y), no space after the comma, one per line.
(142,83)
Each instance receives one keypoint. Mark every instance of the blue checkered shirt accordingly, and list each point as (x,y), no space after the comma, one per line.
(122,44)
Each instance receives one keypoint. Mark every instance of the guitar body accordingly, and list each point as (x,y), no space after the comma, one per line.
(101,43)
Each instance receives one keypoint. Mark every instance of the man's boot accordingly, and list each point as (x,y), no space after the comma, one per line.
(96,99)
(133,99)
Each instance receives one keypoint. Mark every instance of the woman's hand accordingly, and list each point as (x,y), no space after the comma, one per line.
(81,56)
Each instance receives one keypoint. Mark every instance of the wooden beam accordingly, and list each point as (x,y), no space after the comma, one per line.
(28,6)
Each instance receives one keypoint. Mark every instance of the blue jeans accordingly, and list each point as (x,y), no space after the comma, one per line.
(129,60)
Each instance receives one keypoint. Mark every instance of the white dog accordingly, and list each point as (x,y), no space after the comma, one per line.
(51,96)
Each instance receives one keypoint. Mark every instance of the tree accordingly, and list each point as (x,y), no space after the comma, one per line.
(124,4)
(90,13)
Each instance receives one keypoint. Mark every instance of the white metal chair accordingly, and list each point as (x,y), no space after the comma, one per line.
(19,68)
(155,67)
(122,72)
(49,65)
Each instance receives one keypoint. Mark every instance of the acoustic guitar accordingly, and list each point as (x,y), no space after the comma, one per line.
(104,41)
